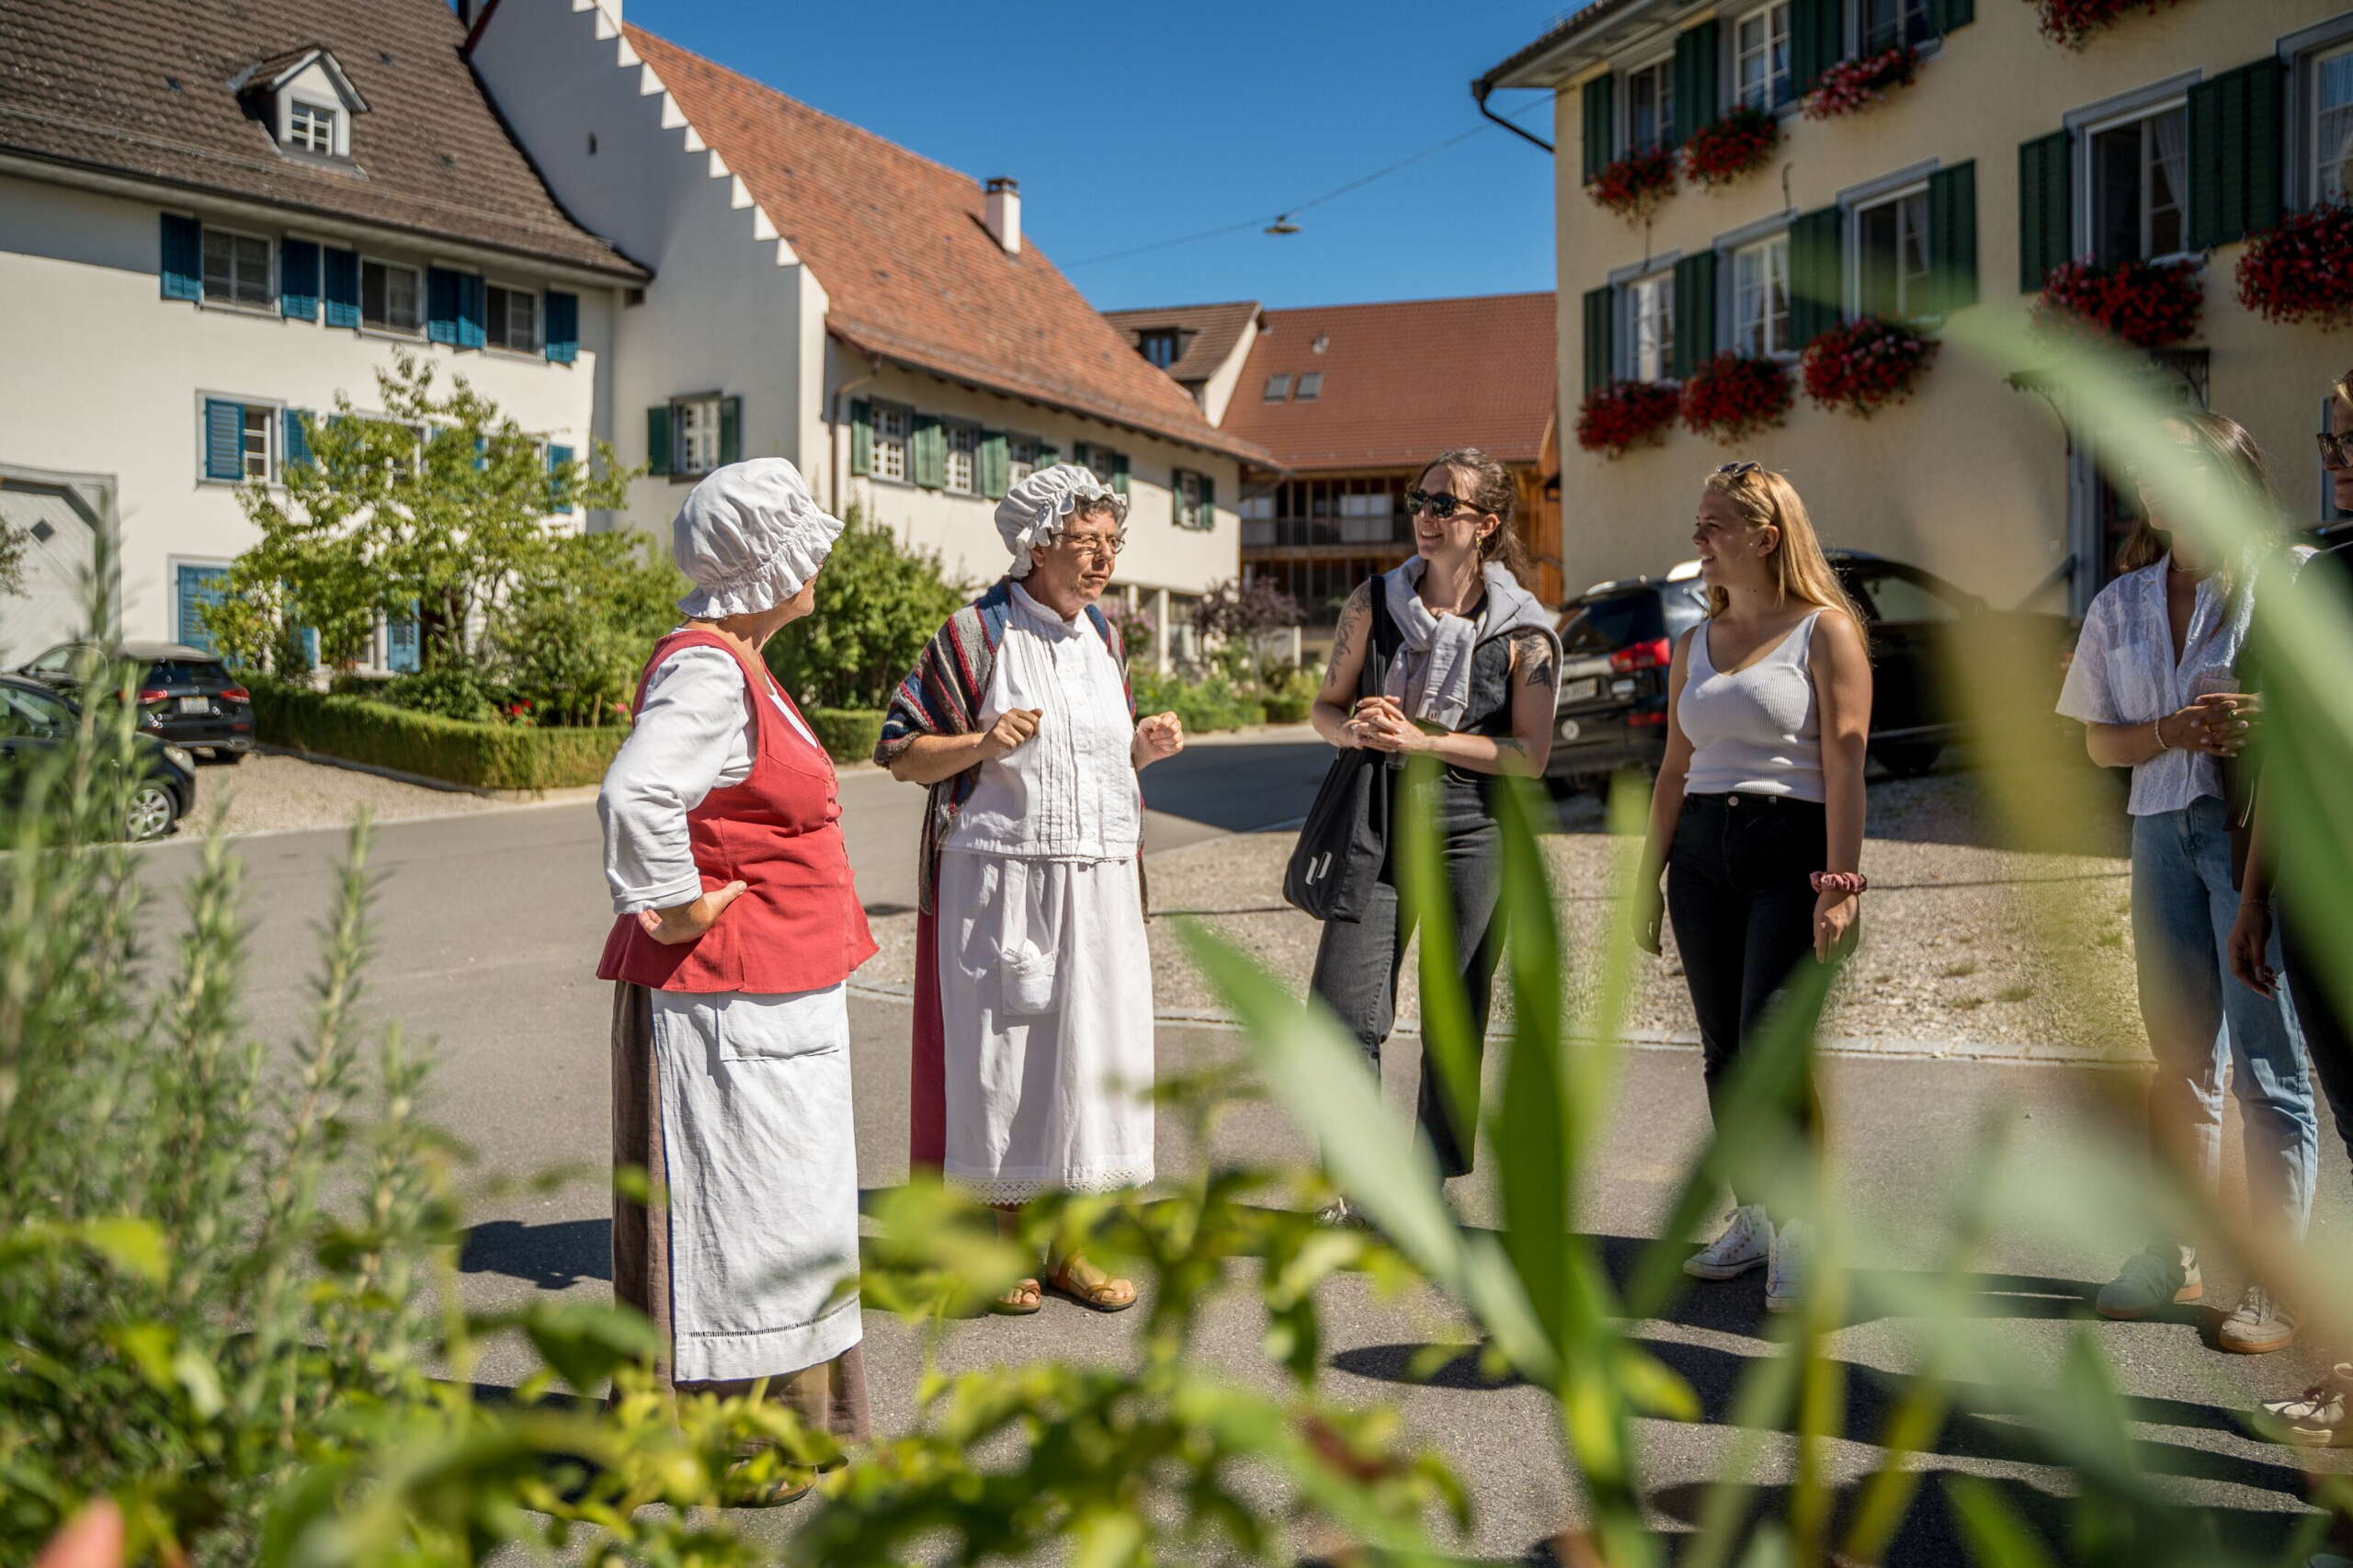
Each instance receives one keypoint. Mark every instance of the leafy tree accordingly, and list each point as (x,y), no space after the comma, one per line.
(1242,608)
(436,508)
(878,603)
(579,625)
(12,558)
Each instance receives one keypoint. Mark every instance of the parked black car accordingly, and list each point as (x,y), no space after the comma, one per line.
(1619,637)
(186,695)
(35,720)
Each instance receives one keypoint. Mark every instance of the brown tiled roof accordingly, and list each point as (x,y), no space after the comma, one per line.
(908,264)
(1211,331)
(141,88)
(1402,381)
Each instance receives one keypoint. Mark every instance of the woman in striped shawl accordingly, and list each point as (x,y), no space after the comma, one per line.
(1033,1046)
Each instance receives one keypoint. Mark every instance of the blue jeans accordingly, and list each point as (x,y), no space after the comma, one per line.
(2202,1023)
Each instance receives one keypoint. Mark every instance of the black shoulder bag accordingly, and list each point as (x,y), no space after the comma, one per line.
(1346,837)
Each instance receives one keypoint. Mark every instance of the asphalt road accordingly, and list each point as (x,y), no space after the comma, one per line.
(487,928)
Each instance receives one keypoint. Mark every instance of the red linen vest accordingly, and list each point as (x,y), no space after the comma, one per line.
(798,926)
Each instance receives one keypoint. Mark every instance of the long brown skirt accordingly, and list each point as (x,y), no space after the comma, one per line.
(829,1396)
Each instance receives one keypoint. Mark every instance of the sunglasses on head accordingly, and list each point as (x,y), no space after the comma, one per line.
(1439,504)
(1736,470)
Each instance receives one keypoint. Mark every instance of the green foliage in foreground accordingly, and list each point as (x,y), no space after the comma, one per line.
(478,755)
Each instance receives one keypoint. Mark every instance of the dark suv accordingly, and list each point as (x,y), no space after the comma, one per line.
(186,695)
(1620,637)
(34,721)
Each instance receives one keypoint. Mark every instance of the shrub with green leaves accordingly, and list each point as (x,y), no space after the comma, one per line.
(580,624)
(495,755)
(1208,705)
(878,601)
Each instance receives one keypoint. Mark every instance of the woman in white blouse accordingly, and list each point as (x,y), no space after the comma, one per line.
(2155,684)
(1021,721)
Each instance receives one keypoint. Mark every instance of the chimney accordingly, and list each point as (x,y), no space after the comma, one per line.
(1003,213)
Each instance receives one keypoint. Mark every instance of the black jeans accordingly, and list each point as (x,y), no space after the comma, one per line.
(1357,964)
(2328,1040)
(1739,894)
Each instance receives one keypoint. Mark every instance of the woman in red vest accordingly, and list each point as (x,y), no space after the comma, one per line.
(737,925)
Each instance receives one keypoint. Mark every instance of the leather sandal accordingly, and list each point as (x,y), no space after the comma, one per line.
(1025,1297)
(790,1487)
(1090,1287)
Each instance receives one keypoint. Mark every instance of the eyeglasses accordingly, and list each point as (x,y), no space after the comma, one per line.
(1736,470)
(1095,546)
(2336,451)
(1439,504)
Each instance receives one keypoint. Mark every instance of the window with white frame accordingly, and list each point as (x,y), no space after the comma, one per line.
(2138,181)
(1650,106)
(1188,487)
(695,421)
(1021,454)
(391,297)
(891,426)
(311,127)
(256,427)
(963,459)
(1650,327)
(512,318)
(1892,256)
(236,268)
(2332,127)
(1760,297)
(1761,58)
(1368,518)
(1891,24)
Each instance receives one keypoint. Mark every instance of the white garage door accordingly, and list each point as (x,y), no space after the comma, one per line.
(61,550)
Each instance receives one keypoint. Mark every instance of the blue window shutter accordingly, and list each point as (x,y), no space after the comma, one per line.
(473,310)
(310,645)
(401,642)
(298,279)
(198,587)
(559,458)
(441,304)
(564,326)
(224,439)
(343,288)
(183,257)
(297,444)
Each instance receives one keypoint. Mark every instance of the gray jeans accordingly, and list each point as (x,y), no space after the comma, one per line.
(1357,964)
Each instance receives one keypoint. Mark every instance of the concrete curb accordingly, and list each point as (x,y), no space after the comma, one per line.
(423,781)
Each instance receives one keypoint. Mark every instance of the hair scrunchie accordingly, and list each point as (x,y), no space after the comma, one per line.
(1841,881)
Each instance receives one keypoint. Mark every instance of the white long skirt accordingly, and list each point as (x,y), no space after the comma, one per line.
(760,1158)
(1045,999)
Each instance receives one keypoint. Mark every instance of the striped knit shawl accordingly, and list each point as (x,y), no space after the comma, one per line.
(943,696)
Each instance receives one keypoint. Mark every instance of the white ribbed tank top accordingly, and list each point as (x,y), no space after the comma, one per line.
(1755,731)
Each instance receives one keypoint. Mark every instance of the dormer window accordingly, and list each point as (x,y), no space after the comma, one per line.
(312,127)
(304,100)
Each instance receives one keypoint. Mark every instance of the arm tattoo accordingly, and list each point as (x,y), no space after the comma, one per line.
(1353,615)
(1538,653)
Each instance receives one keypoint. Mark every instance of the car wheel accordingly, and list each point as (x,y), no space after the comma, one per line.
(150,813)
(1908,760)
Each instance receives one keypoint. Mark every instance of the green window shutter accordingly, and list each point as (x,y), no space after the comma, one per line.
(1049,455)
(928,452)
(296,444)
(1119,473)
(861,437)
(1949,14)
(731,430)
(2235,154)
(1601,351)
(1599,99)
(1208,518)
(224,439)
(996,465)
(1817,40)
(1697,75)
(2047,207)
(1817,273)
(1695,312)
(182,267)
(657,439)
(1953,237)
(298,279)
(559,459)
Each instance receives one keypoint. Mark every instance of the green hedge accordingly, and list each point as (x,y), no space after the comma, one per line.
(481,756)
(848,733)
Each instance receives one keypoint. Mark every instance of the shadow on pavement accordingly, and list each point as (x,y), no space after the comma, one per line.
(553,1256)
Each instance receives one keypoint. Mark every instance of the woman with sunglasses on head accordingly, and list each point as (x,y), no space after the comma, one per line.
(1756,820)
(2155,683)
(1471,682)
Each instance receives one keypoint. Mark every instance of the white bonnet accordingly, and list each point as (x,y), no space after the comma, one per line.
(749,537)
(1038,508)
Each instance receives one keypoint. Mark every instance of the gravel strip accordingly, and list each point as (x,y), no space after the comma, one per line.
(267,793)
(1996,925)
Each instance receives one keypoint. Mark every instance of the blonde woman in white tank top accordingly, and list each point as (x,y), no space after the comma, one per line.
(1757,821)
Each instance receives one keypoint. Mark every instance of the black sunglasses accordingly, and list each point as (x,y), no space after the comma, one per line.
(1736,470)
(1439,504)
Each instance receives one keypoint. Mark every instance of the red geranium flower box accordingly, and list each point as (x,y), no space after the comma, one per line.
(2303,270)
(1732,395)
(2069,23)
(1853,86)
(1625,415)
(2146,305)
(1865,365)
(1635,184)
(1727,149)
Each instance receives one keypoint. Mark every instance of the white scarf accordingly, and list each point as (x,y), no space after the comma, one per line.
(1430,677)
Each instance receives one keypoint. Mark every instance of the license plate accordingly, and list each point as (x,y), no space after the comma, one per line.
(196,705)
(1581,690)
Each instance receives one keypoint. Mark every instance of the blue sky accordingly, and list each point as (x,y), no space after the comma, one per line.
(1132,124)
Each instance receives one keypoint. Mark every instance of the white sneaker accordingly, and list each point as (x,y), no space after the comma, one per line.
(1746,1243)
(1785,1274)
